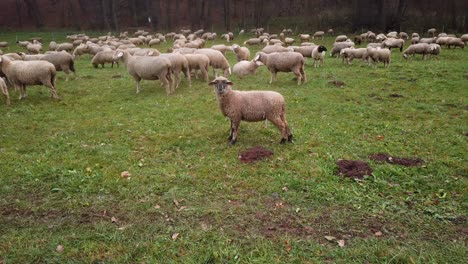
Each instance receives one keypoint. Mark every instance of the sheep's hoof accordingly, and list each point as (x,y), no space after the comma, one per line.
(232,142)
(283,140)
(290,138)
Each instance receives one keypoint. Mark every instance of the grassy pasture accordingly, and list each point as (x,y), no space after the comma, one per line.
(61,161)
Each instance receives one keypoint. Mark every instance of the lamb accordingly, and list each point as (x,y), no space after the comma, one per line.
(276,48)
(457,42)
(283,62)
(199,62)
(318,54)
(178,64)
(341,38)
(4,89)
(62,61)
(350,53)
(22,73)
(217,60)
(431,31)
(59,47)
(253,41)
(242,53)
(147,68)
(338,46)
(251,106)
(35,47)
(420,48)
(318,35)
(379,55)
(393,43)
(244,67)
(104,57)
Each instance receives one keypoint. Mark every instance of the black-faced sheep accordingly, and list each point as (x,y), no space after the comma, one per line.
(318,55)
(283,62)
(251,106)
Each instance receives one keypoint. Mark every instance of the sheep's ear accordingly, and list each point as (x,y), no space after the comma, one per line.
(119,54)
(257,57)
(229,83)
(212,83)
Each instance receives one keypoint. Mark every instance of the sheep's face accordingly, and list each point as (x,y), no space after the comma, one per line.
(322,48)
(221,85)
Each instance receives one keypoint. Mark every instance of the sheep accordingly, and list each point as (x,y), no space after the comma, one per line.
(371,36)
(331,32)
(253,41)
(427,40)
(13,56)
(464,37)
(318,35)
(104,57)
(283,62)
(62,61)
(350,53)
(456,42)
(222,48)
(434,49)
(80,50)
(415,35)
(308,44)
(217,60)
(357,40)
(33,57)
(185,50)
(147,68)
(289,41)
(199,62)
(251,106)
(23,43)
(379,55)
(178,64)
(442,41)
(341,38)
(393,43)
(304,37)
(380,37)
(59,47)
(242,53)
(3,44)
(276,48)
(146,52)
(275,41)
(318,54)
(392,34)
(22,73)
(338,46)
(431,31)
(153,42)
(374,45)
(4,89)
(35,47)
(244,67)
(415,40)
(420,48)
(306,51)
(403,35)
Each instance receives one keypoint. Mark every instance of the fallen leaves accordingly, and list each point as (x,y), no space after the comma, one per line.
(341,242)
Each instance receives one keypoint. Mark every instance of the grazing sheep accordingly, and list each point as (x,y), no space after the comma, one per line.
(185,50)
(392,34)
(199,62)
(420,48)
(153,42)
(35,47)
(13,56)
(318,35)
(304,37)
(275,48)
(62,61)
(427,40)
(3,44)
(23,43)
(283,62)
(80,50)
(415,35)
(27,57)
(275,41)
(357,40)
(415,40)
(338,46)
(244,67)
(403,35)
(431,31)
(217,60)
(289,41)
(147,68)
(442,41)
(179,64)
(222,48)
(379,55)
(306,51)
(22,73)
(104,57)
(464,37)
(349,54)
(253,41)
(380,37)
(435,50)
(318,54)
(242,53)
(4,89)
(341,38)
(393,43)
(62,46)
(251,106)
(146,52)
(456,42)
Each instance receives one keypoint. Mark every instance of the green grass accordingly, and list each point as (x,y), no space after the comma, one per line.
(61,163)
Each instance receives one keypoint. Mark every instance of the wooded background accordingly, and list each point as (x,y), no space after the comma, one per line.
(222,15)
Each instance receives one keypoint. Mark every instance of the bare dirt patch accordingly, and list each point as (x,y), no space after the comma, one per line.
(353,168)
(396,95)
(408,162)
(254,154)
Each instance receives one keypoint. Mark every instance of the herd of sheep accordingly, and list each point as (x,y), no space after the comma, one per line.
(188,55)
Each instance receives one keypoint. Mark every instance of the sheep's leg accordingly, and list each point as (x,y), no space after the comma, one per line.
(195,73)
(273,76)
(278,122)
(165,83)
(187,75)
(67,74)
(204,72)
(177,79)
(231,131)
(288,131)
(304,77)
(137,80)
(235,131)
(170,81)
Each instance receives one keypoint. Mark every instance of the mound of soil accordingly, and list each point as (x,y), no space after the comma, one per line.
(396,95)
(337,83)
(254,154)
(353,168)
(408,162)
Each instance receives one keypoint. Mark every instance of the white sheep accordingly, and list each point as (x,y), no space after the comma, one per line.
(464,37)
(350,53)
(304,37)
(222,48)
(318,35)
(147,68)
(431,31)
(62,46)
(253,41)
(251,106)
(199,62)
(435,50)
(22,73)
(456,42)
(4,89)
(283,62)
(104,57)
(242,53)
(318,55)
(420,48)
(35,47)
(23,43)
(63,61)
(178,64)
(289,41)
(379,55)
(393,43)
(217,60)
(275,48)
(341,38)
(244,67)
(338,46)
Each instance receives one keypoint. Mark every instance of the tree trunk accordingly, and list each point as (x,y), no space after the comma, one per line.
(381,15)
(18,13)
(115,18)
(34,12)
(227,15)
(104,14)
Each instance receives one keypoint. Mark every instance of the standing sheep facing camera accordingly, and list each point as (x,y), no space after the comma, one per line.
(318,54)
(251,106)
(242,53)
(283,62)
